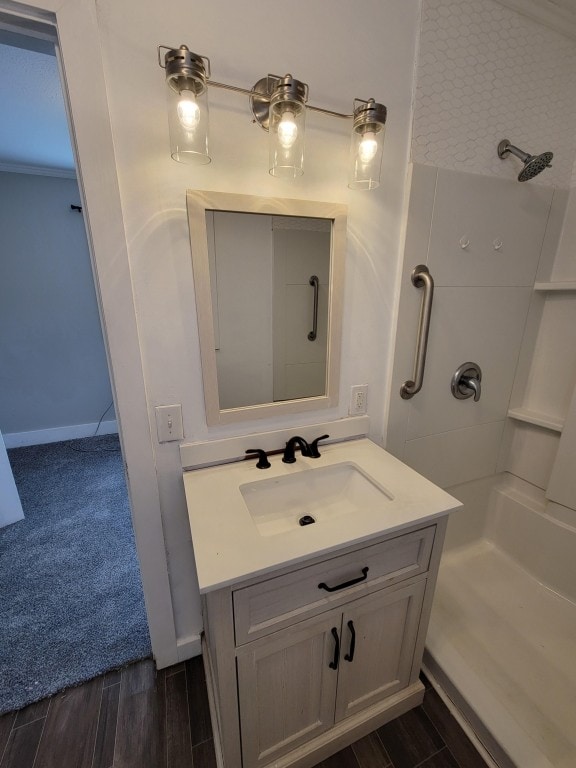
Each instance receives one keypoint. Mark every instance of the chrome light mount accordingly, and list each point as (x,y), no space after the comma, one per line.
(369,116)
(282,91)
(185,70)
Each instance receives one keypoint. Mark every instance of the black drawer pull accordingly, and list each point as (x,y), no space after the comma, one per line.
(364,576)
(334,664)
(350,655)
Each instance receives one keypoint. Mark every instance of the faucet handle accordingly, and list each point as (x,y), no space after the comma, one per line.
(263,462)
(314,452)
(466,382)
(473,384)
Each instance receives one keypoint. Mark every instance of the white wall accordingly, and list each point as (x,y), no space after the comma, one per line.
(53,370)
(342,54)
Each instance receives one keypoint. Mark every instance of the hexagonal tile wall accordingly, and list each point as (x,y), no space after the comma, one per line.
(485,73)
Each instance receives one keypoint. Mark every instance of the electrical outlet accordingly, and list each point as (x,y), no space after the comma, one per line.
(169,423)
(358,399)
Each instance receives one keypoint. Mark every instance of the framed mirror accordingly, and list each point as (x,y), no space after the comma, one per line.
(268,278)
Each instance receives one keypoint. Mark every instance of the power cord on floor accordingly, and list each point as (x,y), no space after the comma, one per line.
(101,418)
(95,450)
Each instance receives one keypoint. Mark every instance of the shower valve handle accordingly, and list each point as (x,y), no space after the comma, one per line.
(466,382)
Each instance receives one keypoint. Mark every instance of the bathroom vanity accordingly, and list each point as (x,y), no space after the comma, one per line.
(314,633)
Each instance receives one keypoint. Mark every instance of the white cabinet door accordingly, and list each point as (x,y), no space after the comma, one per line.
(287,688)
(378,638)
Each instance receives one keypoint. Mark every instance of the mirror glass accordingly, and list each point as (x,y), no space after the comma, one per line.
(268,281)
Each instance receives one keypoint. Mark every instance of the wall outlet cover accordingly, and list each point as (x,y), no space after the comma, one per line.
(358,400)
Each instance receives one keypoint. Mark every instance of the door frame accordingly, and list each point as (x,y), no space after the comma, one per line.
(73,26)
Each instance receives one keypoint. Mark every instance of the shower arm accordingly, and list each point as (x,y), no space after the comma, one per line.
(524,156)
(505,148)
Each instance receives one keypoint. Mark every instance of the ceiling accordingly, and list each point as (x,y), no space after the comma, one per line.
(34,133)
(557,14)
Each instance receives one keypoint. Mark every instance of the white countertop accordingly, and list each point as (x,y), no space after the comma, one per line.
(228,546)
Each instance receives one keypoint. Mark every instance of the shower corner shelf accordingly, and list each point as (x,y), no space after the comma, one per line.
(568,285)
(536,418)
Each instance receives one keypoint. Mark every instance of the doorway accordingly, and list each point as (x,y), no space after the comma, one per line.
(71,588)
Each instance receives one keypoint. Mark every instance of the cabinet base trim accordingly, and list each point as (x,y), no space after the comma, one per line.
(339,736)
(353,728)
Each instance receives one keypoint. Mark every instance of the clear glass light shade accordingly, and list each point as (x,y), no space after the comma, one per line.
(188,125)
(286,139)
(366,157)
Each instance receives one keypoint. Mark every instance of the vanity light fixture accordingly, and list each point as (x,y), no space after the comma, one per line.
(187,75)
(279,105)
(367,144)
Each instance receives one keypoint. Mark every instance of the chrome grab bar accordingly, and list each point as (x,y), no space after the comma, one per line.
(421,278)
(315,283)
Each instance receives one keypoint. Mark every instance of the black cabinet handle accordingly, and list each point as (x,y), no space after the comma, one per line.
(350,655)
(334,663)
(364,576)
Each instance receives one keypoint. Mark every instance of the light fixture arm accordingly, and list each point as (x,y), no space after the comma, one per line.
(254,91)
(331,112)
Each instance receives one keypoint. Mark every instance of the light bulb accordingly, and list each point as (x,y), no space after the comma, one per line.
(188,111)
(287,130)
(368,147)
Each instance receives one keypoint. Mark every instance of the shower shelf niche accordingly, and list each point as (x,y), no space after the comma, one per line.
(556,286)
(536,418)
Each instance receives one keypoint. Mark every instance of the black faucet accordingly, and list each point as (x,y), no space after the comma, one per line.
(289,457)
(314,453)
(263,462)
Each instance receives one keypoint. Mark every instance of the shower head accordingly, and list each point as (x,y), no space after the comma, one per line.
(533,164)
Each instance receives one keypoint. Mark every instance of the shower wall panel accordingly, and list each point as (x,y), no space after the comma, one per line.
(482,325)
(486,231)
(458,455)
(481,304)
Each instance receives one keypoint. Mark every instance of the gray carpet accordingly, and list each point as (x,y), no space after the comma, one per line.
(71,602)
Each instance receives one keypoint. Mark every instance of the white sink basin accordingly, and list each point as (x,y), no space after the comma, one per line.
(277,504)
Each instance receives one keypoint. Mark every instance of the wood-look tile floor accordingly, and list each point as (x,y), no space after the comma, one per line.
(140,718)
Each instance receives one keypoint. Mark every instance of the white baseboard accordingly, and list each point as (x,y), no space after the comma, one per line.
(188,647)
(57,434)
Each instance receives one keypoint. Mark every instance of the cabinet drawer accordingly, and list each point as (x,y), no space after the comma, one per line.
(269,605)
